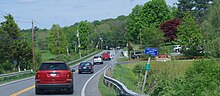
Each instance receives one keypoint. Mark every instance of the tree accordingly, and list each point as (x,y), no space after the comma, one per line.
(154,13)
(83,29)
(153,37)
(148,16)
(169,28)
(211,30)
(189,35)
(134,23)
(197,8)
(15,47)
(57,41)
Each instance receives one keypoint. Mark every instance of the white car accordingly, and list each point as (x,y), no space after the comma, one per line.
(97,60)
(112,54)
(177,48)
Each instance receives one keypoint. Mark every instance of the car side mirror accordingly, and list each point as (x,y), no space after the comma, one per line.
(73,70)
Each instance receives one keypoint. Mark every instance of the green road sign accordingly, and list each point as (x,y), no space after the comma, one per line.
(147,67)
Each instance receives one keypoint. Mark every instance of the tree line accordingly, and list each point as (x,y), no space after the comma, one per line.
(192,23)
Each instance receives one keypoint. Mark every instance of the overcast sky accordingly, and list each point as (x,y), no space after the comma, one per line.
(65,12)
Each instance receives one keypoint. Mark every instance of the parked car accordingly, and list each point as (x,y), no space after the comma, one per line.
(86,67)
(136,55)
(106,56)
(97,60)
(118,48)
(177,48)
(54,76)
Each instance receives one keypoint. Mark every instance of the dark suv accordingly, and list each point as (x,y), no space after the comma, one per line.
(85,67)
(136,55)
(54,76)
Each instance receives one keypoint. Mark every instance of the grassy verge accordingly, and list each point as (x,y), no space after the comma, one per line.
(46,55)
(126,76)
(122,59)
(9,79)
(132,77)
(104,90)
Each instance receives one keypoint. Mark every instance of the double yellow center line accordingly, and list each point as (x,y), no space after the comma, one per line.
(22,91)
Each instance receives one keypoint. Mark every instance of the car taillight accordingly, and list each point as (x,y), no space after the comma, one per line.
(37,75)
(79,67)
(37,78)
(90,67)
(69,77)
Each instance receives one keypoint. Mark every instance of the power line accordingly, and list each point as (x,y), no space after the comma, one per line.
(3,12)
(22,19)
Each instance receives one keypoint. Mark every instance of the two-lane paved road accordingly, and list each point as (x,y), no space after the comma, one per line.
(26,88)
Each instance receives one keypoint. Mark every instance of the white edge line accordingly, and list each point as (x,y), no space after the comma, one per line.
(12,82)
(84,87)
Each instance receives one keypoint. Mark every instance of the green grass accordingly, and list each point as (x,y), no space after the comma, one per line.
(159,70)
(104,90)
(122,59)
(171,68)
(126,76)
(46,55)
(13,78)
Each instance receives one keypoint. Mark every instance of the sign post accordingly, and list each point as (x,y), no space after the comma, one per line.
(150,52)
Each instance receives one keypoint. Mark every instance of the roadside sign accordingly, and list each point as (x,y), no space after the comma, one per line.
(151,51)
(147,67)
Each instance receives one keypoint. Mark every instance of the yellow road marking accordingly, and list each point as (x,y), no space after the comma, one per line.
(22,91)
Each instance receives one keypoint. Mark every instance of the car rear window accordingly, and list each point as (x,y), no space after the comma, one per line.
(98,57)
(138,52)
(53,66)
(85,64)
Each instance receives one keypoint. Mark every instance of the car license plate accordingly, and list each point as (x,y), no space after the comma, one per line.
(53,74)
(84,67)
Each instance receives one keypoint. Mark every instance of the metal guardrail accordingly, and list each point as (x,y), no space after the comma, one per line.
(74,61)
(124,91)
(30,71)
(15,73)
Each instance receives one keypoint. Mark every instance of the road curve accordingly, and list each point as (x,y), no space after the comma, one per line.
(26,87)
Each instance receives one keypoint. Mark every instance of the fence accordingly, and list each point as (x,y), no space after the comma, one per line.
(15,73)
(124,91)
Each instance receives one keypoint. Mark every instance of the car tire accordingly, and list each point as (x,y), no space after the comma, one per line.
(92,71)
(79,72)
(70,90)
(37,91)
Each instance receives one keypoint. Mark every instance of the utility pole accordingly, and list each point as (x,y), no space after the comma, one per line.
(79,43)
(58,36)
(140,39)
(33,52)
(128,44)
(101,45)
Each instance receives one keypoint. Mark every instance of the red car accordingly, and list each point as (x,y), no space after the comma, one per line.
(106,56)
(54,76)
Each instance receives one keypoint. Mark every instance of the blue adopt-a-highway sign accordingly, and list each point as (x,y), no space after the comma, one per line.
(151,51)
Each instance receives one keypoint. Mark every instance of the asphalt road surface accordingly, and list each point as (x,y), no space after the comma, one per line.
(84,84)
